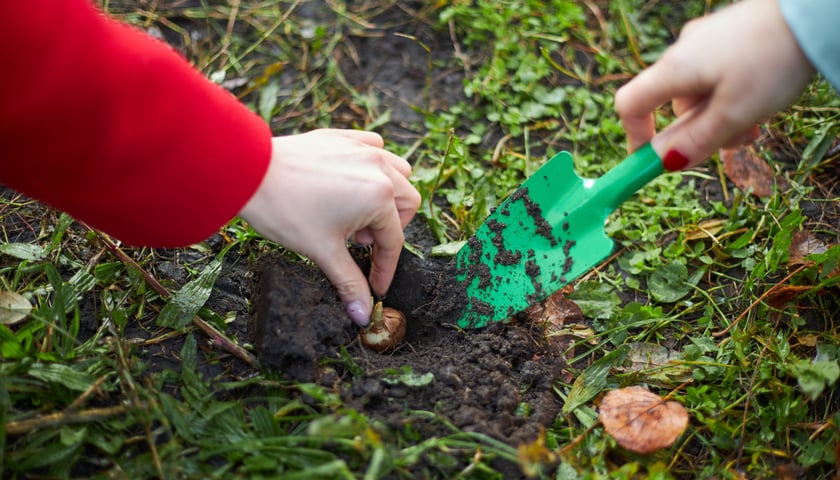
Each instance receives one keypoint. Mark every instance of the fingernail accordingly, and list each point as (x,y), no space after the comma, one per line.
(358,313)
(674,161)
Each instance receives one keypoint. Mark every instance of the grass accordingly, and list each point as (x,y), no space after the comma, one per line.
(699,300)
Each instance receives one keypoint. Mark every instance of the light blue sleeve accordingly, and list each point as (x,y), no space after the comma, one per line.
(816,26)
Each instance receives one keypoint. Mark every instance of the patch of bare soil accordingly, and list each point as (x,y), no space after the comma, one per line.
(495,381)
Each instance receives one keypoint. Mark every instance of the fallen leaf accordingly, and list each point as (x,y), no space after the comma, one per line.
(782,295)
(802,244)
(14,307)
(706,229)
(748,171)
(640,420)
(555,311)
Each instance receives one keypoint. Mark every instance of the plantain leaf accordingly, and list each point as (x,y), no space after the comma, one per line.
(179,312)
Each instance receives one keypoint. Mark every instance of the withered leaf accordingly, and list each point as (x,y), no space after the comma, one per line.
(802,244)
(640,420)
(705,229)
(556,311)
(748,171)
(784,294)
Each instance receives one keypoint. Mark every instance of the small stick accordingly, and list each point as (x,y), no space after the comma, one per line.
(63,418)
(218,337)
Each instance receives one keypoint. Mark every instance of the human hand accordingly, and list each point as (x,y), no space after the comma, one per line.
(726,72)
(327,186)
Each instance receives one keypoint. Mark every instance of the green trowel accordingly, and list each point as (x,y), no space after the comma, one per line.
(543,236)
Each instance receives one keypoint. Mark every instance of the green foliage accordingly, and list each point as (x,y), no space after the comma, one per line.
(686,307)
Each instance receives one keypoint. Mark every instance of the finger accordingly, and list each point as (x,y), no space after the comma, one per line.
(406,198)
(746,137)
(398,163)
(369,138)
(375,140)
(639,128)
(684,104)
(698,133)
(668,79)
(349,281)
(363,237)
(387,246)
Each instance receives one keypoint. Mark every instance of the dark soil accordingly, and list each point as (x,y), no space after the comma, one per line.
(481,378)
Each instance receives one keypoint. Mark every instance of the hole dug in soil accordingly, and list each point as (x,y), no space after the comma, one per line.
(482,379)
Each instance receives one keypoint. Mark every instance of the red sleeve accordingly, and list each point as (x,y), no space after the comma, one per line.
(117,129)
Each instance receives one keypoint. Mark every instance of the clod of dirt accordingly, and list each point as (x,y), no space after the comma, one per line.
(297,317)
(478,380)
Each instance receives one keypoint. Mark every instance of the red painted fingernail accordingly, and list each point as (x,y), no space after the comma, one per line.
(674,161)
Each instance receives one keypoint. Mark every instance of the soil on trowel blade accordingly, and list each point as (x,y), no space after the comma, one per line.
(496,380)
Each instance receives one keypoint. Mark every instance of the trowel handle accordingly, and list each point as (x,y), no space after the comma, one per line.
(626,178)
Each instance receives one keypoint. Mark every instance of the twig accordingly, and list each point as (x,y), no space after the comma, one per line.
(63,418)
(218,337)
(223,54)
(87,393)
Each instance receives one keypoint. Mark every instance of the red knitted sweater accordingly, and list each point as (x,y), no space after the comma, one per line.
(117,129)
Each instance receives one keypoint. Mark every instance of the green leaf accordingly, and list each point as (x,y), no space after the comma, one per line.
(814,377)
(594,379)
(449,249)
(14,307)
(409,378)
(268,100)
(179,312)
(22,251)
(62,375)
(669,283)
(596,300)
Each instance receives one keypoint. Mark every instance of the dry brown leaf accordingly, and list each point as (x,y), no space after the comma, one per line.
(749,171)
(802,244)
(555,311)
(784,294)
(706,229)
(640,420)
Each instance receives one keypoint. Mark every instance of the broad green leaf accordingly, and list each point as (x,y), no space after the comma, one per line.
(814,377)
(449,249)
(179,312)
(669,283)
(593,379)
(22,251)
(596,300)
(268,100)
(63,375)
(410,379)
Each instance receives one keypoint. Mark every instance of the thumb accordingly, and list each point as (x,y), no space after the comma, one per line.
(351,284)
